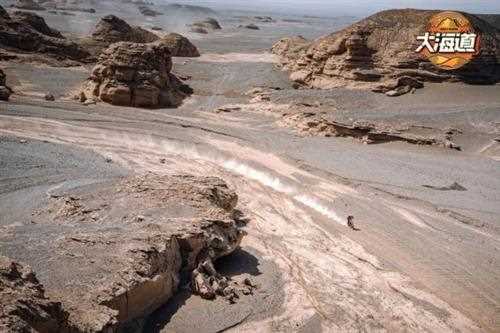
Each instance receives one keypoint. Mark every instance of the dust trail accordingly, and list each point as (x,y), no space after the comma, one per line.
(119,142)
(279,185)
(314,204)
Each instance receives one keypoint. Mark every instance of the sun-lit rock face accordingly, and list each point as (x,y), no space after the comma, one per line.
(382,47)
(180,46)
(133,74)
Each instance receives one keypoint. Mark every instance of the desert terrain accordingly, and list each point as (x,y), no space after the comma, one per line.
(223,206)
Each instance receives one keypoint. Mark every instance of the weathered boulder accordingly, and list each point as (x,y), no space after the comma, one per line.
(205,26)
(264,19)
(125,246)
(179,46)
(29,34)
(382,47)
(250,26)
(23,304)
(134,74)
(5,91)
(289,49)
(112,29)
(36,22)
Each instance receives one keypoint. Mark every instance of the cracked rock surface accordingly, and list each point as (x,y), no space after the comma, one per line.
(115,252)
(135,74)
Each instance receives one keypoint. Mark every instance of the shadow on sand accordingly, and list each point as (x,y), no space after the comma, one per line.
(238,263)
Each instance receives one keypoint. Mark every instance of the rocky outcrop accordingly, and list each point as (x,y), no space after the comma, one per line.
(264,19)
(112,29)
(24,306)
(29,35)
(314,124)
(36,22)
(125,246)
(179,46)
(5,91)
(250,26)
(312,118)
(289,49)
(382,47)
(133,74)
(205,26)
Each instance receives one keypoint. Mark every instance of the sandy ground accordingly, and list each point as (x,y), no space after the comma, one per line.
(425,258)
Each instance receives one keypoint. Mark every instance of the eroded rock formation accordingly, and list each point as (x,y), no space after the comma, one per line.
(125,245)
(112,29)
(28,35)
(316,124)
(289,49)
(250,26)
(133,74)
(205,26)
(179,46)
(315,119)
(36,22)
(5,91)
(24,306)
(382,47)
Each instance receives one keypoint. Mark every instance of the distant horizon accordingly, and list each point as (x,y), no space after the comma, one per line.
(343,7)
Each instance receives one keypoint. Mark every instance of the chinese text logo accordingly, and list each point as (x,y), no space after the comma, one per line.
(450,41)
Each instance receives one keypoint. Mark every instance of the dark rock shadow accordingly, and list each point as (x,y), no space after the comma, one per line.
(453,187)
(237,263)
(162,316)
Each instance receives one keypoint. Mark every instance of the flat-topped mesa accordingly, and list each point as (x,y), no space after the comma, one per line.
(112,29)
(27,34)
(133,74)
(380,48)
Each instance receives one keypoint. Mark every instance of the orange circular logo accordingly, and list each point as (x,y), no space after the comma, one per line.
(450,41)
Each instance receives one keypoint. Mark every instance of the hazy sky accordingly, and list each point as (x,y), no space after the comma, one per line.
(350,7)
